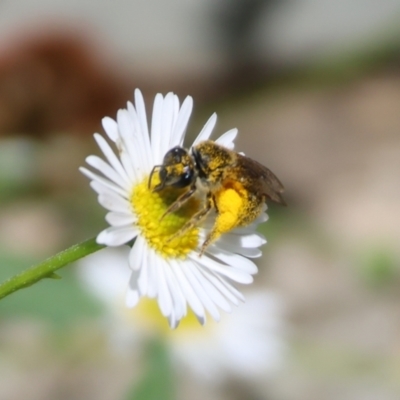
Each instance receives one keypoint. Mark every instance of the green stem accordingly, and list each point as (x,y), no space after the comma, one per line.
(47,268)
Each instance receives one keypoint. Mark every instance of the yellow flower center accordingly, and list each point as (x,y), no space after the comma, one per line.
(159,232)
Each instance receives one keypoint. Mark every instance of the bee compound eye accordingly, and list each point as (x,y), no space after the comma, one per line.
(179,153)
(174,156)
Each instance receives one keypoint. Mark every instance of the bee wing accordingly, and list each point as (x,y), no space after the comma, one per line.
(263,180)
(272,187)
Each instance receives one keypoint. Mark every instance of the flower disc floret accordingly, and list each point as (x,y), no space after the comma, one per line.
(150,207)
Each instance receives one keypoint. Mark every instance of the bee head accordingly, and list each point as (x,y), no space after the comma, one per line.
(177,169)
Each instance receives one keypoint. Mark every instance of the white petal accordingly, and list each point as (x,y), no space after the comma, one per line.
(251,240)
(107,171)
(120,218)
(207,130)
(123,164)
(187,290)
(175,113)
(201,318)
(224,287)
(262,218)
(112,159)
(130,165)
(133,144)
(141,113)
(130,143)
(111,128)
(211,290)
(103,181)
(179,301)
(251,253)
(113,202)
(234,260)
(230,272)
(153,268)
(105,191)
(156,129)
(137,253)
(232,289)
(199,290)
(133,296)
(173,321)
(141,136)
(244,251)
(181,123)
(99,188)
(166,122)
(143,279)
(247,230)
(117,236)
(164,296)
(227,139)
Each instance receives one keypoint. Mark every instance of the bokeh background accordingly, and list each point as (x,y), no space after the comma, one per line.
(313,87)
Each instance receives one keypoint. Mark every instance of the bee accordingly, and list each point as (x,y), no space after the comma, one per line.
(235,186)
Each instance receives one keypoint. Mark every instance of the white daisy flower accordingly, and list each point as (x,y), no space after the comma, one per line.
(169,270)
(249,345)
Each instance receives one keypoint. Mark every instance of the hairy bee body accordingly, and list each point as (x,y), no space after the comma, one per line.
(236,186)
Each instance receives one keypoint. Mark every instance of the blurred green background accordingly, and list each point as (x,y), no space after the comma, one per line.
(314,89)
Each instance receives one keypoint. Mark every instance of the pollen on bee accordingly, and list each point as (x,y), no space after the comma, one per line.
(150,206)
(230,203)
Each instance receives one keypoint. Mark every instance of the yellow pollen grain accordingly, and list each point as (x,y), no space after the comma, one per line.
(150,206)
(230,204)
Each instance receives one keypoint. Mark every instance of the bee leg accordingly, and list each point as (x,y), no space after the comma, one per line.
(211,237)
(223,223)
(196,218)
(180,201)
